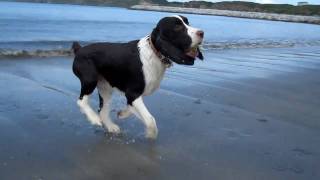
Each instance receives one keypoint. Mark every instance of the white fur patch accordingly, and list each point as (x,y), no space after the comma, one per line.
(147,119)
(86,109)
(153,68)
(192,32)
(105,91)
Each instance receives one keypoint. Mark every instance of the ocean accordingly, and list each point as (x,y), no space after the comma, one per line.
(33,29)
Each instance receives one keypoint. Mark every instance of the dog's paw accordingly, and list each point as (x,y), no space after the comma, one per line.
(152,133)
(94,120)
(125,113)
(96,123)
(113,128)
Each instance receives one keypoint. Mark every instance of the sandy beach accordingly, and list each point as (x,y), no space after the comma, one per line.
(241,114)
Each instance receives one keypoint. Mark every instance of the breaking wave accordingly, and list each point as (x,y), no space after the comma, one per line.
(36,53)
(62,48)
(246,44)
(24,49)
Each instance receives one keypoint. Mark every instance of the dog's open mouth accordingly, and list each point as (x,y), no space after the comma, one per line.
(194,51)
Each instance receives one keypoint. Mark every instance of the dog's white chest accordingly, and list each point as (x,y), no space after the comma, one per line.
(153,68)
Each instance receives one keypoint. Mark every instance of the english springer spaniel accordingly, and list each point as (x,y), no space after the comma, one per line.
(135,68)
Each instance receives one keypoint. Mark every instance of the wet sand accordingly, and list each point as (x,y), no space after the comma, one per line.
(240,114)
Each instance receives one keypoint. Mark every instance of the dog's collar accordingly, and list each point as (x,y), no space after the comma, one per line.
(166,61)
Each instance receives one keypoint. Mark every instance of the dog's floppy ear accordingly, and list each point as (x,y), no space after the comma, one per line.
(173,53)
(169,50)
(200,55)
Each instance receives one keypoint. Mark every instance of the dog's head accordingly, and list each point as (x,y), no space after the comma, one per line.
(177,40)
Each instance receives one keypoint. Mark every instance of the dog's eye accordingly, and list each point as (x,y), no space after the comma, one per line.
(178,27)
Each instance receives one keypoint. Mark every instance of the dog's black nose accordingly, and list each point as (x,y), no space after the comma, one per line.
(200,33)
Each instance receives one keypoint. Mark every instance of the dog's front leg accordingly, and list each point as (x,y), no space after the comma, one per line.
(147,119)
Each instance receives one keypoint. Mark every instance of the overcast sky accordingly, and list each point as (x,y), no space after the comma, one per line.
(268,1)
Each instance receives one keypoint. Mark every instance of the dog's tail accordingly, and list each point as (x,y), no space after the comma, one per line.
(75,47)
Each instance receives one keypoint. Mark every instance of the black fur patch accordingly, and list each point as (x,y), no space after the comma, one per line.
(118,63)
(185,20)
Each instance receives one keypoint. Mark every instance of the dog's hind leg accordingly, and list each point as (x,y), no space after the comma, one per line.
(86,109)
(105,92)
(87,74)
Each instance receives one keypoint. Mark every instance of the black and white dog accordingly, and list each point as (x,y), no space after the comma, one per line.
(135,68)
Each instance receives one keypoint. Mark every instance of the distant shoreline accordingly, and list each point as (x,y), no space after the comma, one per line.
(228,13)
